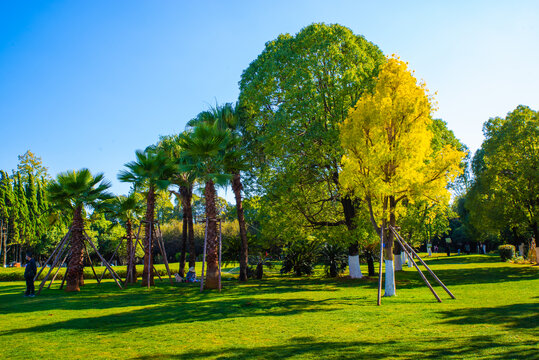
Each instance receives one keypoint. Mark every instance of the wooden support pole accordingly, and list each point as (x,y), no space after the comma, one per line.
(59,267)
(55,262)
(426,266)
(220,248)
(91,264)
(64,278)
(111,258)
(112,272)
(417,267)
(150,255)
(164,252)
(204,257)
(380,266)
(131,259)
(53,252)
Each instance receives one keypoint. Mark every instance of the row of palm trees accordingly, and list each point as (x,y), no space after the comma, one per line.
(207,154)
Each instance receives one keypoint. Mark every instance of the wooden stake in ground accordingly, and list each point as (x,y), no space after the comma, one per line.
(53,252)
(204,257)
(424,264)
(380,266)
(418,270)
(112,272)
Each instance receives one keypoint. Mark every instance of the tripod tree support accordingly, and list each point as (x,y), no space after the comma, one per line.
(54,264)
(112,272)
(60,244)
(163,252)
(417,268)
(410,256)
(111,258)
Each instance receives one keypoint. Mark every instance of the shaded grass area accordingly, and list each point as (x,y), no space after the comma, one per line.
(495,316)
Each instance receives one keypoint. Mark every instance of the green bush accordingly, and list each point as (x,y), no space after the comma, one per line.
(299,257)
(507,252)
(334,258)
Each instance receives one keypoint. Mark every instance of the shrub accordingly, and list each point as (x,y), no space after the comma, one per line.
(507,252)
(334,259)
(300,257)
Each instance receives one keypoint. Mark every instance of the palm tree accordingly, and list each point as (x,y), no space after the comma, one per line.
(227,117)
(203,148)
(150,172)
(185,181)
(76,190)
(126,210)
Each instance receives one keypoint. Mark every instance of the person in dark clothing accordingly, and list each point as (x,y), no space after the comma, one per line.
(29,273)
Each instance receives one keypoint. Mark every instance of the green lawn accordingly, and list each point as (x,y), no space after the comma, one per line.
(495,316)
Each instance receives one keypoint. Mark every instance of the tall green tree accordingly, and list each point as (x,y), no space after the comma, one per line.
(125,210)
(29,163)
(389,155)
(296,94)
(185,181)
(75,190)
(149,173)
(25,227)
(227,117)
(33,209)
(203,150)
(505,189)
(7,212)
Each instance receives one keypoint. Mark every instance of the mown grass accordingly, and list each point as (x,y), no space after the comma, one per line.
(495,316)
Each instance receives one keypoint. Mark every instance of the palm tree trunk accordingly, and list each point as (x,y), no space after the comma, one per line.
(244,251)
(184,235)
(190,227)
(212,268)
(130,259)
(75,273)
(148,231)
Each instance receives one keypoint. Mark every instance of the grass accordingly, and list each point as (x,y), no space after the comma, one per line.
(495,316)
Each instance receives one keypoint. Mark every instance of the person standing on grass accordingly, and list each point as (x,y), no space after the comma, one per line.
(29,273)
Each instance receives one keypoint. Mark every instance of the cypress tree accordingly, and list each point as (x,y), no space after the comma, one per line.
(22,209)
(11,205)
(33,211)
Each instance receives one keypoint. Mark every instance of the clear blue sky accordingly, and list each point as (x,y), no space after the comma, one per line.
(85,83)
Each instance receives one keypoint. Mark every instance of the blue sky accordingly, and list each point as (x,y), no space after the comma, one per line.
(85,83)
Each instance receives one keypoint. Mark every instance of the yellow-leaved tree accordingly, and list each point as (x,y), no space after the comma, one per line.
(388,155)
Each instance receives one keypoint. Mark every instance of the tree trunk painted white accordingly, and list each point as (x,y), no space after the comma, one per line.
(353,267)
(429,249)
(484,249)
(521,249)
(409,261)
(390,279)
(398,262)
(404,258)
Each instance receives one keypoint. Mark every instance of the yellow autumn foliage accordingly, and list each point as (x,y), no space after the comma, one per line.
(387,144)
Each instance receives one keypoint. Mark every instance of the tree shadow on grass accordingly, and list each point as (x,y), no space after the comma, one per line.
(174,310)
(307,347)
(514,316)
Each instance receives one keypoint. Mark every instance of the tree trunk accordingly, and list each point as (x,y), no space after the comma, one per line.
(190,228)
(370,263)
(397,251)
(212,244)
(130,255)
(148,232)
(181,270)
(353,262)
(244,251)
(74,278)
(388,244)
